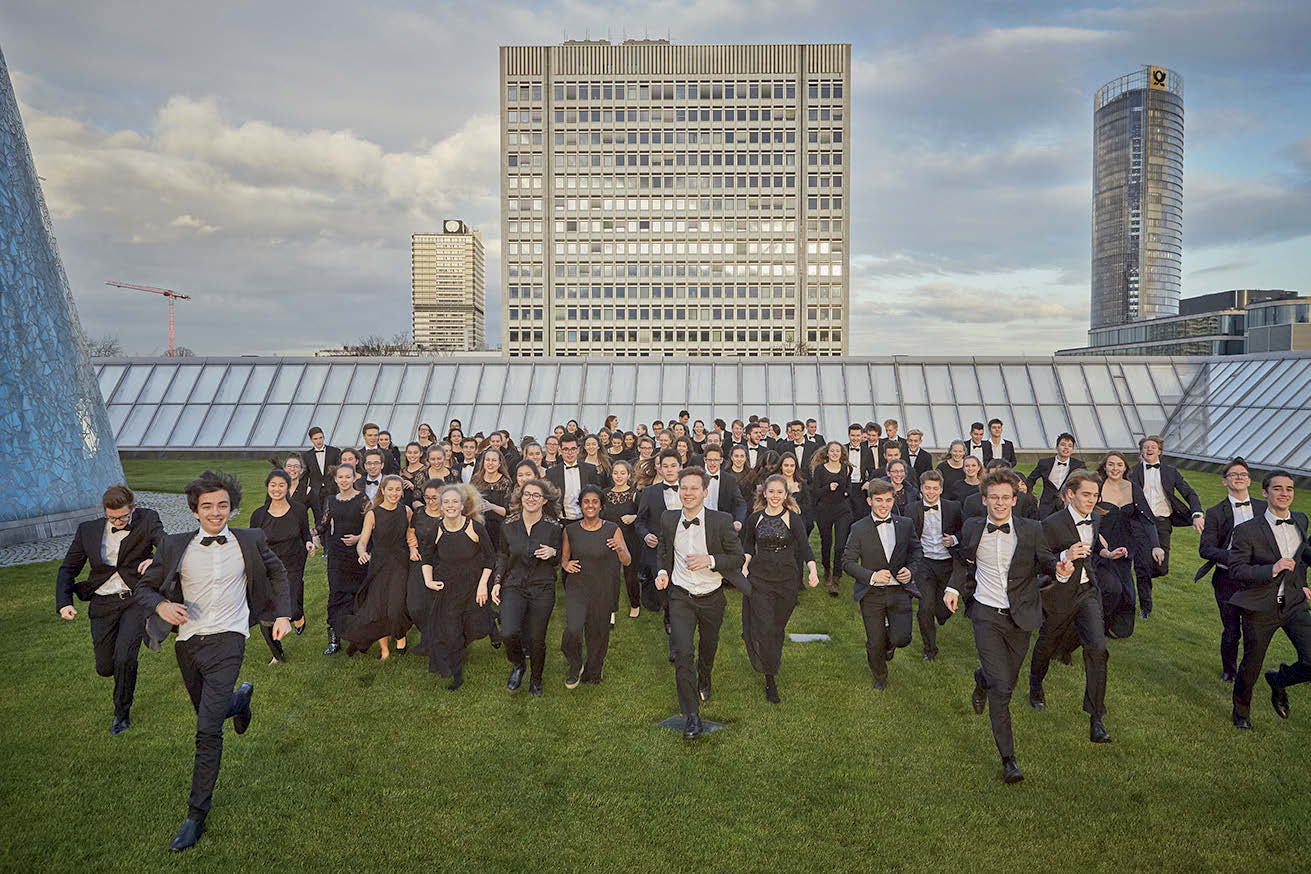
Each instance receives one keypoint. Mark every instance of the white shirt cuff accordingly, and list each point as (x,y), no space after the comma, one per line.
(950,591)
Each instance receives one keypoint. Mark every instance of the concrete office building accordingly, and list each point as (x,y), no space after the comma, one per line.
(1137,207)
(447,289)
(675,199)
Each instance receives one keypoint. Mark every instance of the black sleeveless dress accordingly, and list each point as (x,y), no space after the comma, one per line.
(380,606)
(456,620)
(418,598)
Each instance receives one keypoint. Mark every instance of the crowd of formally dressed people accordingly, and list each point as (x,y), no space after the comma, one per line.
(463,536)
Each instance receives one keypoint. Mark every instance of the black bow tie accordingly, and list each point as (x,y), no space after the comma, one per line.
(1243,504)
(220,539)
(878,521)
(1004,528)
(114,530)
(1062,463)
(1084,522)
(714,476)
(1288,521)
(1156,466)
(688,523)
(571,467)
(669,487)
(372,482)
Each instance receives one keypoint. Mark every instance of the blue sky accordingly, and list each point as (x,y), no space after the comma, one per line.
(272,160)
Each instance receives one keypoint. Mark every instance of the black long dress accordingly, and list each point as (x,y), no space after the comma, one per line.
(589,598)
(287,535)
(343,518)
(418,597)
(1129,526)
(380,605)
(778,546)
(456,620)
(616,506)
(497,493)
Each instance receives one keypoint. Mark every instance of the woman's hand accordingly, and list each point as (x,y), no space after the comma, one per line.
(350,539)
(436,585)
(813,581)
(572,566)
(496,594)
(1158,555)
(545,552)
(414,554)
(310,546)
(628,519)
(364,558)
(481,597)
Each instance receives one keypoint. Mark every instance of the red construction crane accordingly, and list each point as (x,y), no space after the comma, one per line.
(168,293)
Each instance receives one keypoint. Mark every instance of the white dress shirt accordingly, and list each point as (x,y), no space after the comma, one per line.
(1085,537)
(573,484)
(110,545)
(751,454)
(996,448)
(853,460)
(992,565)
(1241,515)
(712,491)
(1288,538)
(371,488)
(799,449)
(672,501)
(888,535)
(931,542)
(1060,470)
(976,449)
(214,587)
(1156,496)
(322,456)
(691,540)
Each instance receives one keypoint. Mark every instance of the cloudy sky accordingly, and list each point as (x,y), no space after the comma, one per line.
(271,160)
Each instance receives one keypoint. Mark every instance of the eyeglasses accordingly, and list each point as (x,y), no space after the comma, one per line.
(536,496)
(1238,474)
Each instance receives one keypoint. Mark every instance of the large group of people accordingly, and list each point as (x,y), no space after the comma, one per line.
(463,537)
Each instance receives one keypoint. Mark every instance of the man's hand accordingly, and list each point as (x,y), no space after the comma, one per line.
(311,546)
(949,598)
(1199,522)
(737,526)
(173,613)
(651,540)
(662,581)
(1284,564)
(281,627)
(949,540)
(813,581)
(698,562)
(350,539)
(481,598)
(1065,568)
(436,585)
(1158,554)
(903,576)
(1078,551)
(882,577)
(141,568)
(1120,552)
(67,612)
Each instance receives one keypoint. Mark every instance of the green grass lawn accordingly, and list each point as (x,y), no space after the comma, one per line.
(362,765)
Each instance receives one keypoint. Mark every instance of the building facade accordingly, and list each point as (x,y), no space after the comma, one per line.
(447,288)
(1137,203)
(675,199)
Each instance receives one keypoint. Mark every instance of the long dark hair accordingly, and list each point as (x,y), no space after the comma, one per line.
(816,460)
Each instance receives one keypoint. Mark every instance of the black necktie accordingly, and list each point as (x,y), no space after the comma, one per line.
(878,521)
(1156,466)
(928,507)
(219,539)
(1004,528)
(1084,522)
(1243,504)
(688,523)
(1288,521)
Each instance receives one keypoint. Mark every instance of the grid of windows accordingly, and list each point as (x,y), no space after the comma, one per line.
(447,290)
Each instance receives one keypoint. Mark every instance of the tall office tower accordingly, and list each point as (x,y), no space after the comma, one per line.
(447,288)
(1138,197)
(675,199)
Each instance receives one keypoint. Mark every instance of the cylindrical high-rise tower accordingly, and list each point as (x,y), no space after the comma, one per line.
(1138,197)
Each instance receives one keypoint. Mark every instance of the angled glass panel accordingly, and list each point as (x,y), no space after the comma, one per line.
(257,386)
(832,385)
(238,430)
(411,389)
(309,388)
(883,412)
(1054,421)
(1275,386)
(569,388)
(597,388)
(1300,385)
(753,386)
(804,390)
(593,416)
(229,390)
(182,384)
(134,427)
(673,385)
(562,413)
(130,385)
(389,382)
(379,414)
(991,383)
(1086,430)
(859,386)
(159,431)
(1045,388)
(623,383)
(1235,428)
(486,418)
(625,413)
(435,416)
(1168,386)
(1140,383)
(347,432)
(1099,384)
(362,382)
(440,385)
(1017,383)
(1289,443)
(1135,422)
(1114,428)
(492,385)
(860,414)
(1152,417)
(938,379)
(914,390)
(833,421)
(883,379)
(646,414)
(511,419)
(215,424)
(965,384)
(537,421)
(969,414)
(109,377)
(188,426)
(153,391)
(268,427)
(781,414)
(543,391)
(296,425)
(919,417)
(1026,429)
(699,378)
(1236,386)
(946,427)
(725,397)
(284,384)
(1071,376)
(334,387)
(463,412)
(517,383)
(404,424)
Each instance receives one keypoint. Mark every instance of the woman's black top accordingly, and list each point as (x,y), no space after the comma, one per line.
(518,566)
(821,479)
(291,527)
(342,518)
(950,475)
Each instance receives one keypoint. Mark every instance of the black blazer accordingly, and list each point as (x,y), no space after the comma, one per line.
(1031,559)
(588,475)
(391,458)
(721,543)
(807,449)
(1061,534)
(1047,502)
(651,508)
(1254,553)
(267,594)
(923,461)
(320,478)
(1174,485)
(730,499)
(1007,451)
(140,544)
(863,555)
(952,518)
(1217,530)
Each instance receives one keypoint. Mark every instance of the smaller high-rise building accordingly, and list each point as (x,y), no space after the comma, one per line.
(447,289)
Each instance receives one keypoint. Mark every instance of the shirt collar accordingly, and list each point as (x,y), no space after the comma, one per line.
(1006,521)
(701,515)
(1234,501)
(1074,514)
(224,533)
(1271,517)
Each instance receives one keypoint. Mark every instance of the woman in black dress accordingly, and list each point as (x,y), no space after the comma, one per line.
(592,552)
(952,467)
(594,455)
(525,581)
(830,478)
(775,543)
(737,465)
(413,471)
(550,453)
(426,437)
(380,606)
(343,519)
(1128,525)
(965,488)
(458,569)
(300,490)
(620,507)
(286,525)
(420,538)
(492,481)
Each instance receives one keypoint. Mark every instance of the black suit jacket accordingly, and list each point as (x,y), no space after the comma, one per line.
(1048,501)
(1174,485)
(923,461)
(320,478)
(864,556)
(1217,529)
(730,498)
(651,509)
(88,547)
(721,542)
(1254,553)
(588,475)
(1007,451)
(267,594)
(867,461)
(1032,558)
(1061,534)
(952,518)
(807,449)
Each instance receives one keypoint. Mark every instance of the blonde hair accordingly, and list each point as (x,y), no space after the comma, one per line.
(471,498)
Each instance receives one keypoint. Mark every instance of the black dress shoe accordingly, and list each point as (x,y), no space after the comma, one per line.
(1228,677)
(692,727)
(495,638)
(299,629)
(771,689)
(1037,699)
(880,685)
(1242,722)
(979,700)
(1278,694)
(334,643)
(187,836)
(890,653)
(457,680)
(573,677)
(1010,770)
(121,724)
(703,690)
(534,687)
(516,678)
(1067,659)
(930,656)
(1097,732)
(1144,613)
(241,719)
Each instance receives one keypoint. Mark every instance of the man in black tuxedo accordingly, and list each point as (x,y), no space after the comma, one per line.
(995,446)
(371,434)
(1164,487)
(319,460)
(1052,471)
(797,445)
(569,476)
(1073,605)
(755,443)
(999,560)
(118,546)
(813,436)
(723,492)
(937,524)
(1217,535)
(699,552)
(211,586)
(881,551)
(652,504)
(974,445)
(1270,554)
(890,438)
(374,461)
(891,453)
(860,459)
(919,459)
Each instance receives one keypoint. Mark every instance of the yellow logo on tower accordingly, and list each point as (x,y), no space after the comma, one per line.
(1156,77)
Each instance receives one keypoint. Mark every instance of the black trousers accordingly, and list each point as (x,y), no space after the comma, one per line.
(765,615)
(931,577)
(587,608)
(1002,646)
(1231,620)
(1146,569)
(296,584)
(1083,621)
(210,665)
(117,628)
(880,604)
(1258,629)
(345,577)
(834,524)
(633,585)
(689,614)
(525,615)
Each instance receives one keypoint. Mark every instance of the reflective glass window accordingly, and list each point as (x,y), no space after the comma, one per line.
(938,380)
(238,430)
(1114,427)
(284,384)
(229,390)
(109,377)
(188,426)
(486,417)
(216,422)
(296,425)
(673,385)
(883,384)
(493,383)
(517,382)
(440,385)
(465,389)
(699,378)
(623,380)
(347,432)
(268,427)
(153,391)
(162,427)
(1140,383)
(1017,383)
(537,421)
(134,427)
(182,384)
(917,417)
(130,385)
(311,385)
(1044,383)
(914,390)
(946,427)
(804,390)
(1072,384)
(753,386)
(411,390)
(361,387)
(965,384)
(543,384)
(1054,421)
(991,383)
(832,385)
(1026,429)
(1099,384)
(725,397)
(257,386)
(334,388)
(389,382)
(380,414)
(569,388)
(404,424)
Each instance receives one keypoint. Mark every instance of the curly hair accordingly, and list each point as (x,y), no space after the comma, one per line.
(214,481)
